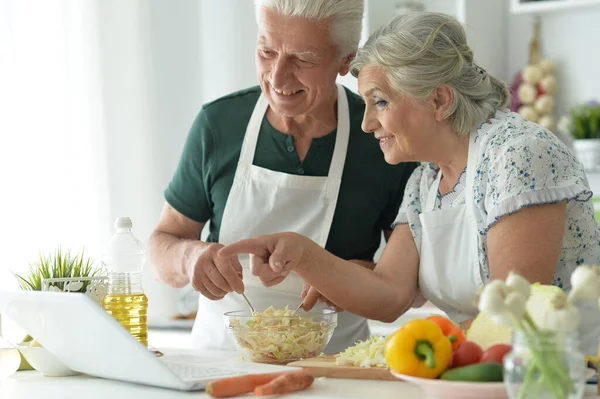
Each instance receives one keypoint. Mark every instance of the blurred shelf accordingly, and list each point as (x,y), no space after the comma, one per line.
(544,6)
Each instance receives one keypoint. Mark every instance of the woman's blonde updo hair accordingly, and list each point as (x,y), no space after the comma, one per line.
(423,50)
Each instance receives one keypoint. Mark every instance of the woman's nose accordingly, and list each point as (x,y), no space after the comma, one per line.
(369,124)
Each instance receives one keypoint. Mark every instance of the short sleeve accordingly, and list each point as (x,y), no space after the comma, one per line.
(188,191)
(411,203)
(528,166)
(397,189)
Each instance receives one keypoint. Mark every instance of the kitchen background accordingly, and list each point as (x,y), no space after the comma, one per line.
(97,97)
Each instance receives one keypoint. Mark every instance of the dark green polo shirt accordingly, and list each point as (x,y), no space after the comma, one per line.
(370,193)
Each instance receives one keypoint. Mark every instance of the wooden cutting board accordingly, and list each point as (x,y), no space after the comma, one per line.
(326,367)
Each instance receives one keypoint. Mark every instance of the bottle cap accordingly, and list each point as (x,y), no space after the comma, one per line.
(123,223)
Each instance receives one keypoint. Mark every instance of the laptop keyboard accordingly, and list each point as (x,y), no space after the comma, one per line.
(196,372)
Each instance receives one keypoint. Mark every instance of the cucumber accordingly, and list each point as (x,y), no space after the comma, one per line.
(479,372)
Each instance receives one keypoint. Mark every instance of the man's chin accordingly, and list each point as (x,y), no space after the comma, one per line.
(285,110)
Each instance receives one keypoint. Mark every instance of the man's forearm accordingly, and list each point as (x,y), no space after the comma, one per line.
(170,256)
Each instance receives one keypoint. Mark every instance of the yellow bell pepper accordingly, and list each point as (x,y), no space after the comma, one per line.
(419,349)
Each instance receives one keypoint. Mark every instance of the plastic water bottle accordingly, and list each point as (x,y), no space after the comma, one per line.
(125,299)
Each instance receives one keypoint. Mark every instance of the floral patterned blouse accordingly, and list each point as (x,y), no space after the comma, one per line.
(519,164)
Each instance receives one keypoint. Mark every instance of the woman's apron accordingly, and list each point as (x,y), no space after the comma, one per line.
(449,270)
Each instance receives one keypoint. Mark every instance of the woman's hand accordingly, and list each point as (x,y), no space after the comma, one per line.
(272,256)
(311,296)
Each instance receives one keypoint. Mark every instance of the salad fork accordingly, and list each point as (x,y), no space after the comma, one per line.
(248,302)
(298,308)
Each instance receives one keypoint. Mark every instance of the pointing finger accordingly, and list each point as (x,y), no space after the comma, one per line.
(254,246)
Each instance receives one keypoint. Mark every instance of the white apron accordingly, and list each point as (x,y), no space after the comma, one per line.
(263,201)
(449,272)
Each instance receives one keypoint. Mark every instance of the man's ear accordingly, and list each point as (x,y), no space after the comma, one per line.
(443,98)
(345,67)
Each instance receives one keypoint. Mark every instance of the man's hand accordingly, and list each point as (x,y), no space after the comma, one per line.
(214,276)
(311,296)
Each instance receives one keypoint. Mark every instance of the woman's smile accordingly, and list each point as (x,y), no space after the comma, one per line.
(384,141)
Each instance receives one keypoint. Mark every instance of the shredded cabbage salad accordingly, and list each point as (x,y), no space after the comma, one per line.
(368,353)
(278,335)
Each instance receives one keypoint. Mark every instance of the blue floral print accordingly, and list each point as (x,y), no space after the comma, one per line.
(519,164)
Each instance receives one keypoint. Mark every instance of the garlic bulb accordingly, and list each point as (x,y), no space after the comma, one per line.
(544,104)
(526,93)
(549,84)
(532,74)
(548,66)
(547,122)
(529,113)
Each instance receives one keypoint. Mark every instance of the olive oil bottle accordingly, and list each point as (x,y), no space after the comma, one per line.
(125,299)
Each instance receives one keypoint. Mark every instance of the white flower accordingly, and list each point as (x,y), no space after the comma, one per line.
(491,300)
(516,282)
(515,304)
(561,316)
(503,304)
(585,283)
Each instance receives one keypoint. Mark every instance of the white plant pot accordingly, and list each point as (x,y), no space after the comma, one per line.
(45,362)
(588,153)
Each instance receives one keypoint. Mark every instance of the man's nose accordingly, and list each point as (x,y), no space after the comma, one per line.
(280,72)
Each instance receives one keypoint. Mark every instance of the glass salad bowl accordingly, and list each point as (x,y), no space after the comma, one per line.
(280,336)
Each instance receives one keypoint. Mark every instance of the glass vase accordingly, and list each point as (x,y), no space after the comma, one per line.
(545,365)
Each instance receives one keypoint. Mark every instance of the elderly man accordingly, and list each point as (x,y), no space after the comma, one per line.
(288,155)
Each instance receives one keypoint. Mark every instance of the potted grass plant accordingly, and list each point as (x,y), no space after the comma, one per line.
(585,128)
(60,264)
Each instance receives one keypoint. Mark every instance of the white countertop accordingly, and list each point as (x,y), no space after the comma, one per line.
(31,384)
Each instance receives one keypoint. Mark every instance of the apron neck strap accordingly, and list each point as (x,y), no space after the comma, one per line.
(336,168)
(469,178)
(252,130)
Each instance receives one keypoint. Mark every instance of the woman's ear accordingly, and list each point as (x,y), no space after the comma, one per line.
(345,67)
(443,98)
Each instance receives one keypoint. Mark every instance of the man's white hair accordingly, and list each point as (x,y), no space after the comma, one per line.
(346,17)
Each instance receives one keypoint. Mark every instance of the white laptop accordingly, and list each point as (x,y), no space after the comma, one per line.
(86,339)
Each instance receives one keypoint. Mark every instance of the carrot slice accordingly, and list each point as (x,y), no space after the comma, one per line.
(233,386)
(290,382)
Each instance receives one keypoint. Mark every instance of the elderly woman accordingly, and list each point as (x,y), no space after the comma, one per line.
(287,155)
(495,193)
